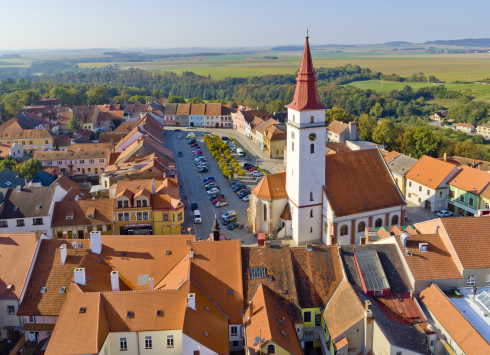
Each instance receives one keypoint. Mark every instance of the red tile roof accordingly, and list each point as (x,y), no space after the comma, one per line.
(430,172)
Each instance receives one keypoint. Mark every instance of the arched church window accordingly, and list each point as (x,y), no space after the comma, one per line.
(312,148)
(265,212)
(292,143)
(344,230)
(379,223)
(394,220)
(312,119)
(361,227)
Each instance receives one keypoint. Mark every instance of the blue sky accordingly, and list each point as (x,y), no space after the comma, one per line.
(33,24)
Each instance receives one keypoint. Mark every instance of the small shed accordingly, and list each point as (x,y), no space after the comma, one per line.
(261,238)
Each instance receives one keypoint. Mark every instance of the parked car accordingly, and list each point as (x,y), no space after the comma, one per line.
(229,213)
(245,165)
(180,154)
(203,165)
(203,170)
(444,213)
(240,152)
(224,138)
(228,220)
(259,178)
(208,178)
(210,186)
(246,198)
(179,136)
(207,182)
(244,193)
(194,206)
(191,141)
(191,135)
(212,197)
(194,145)
(243,189)
(189,127)
(221,204)
(233,225)
(213,191)
(217,199)
(236,188)
(197,216)
(257,174)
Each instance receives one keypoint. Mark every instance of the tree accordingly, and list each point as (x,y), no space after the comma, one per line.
(176,100)
(56,147)
(196,100)
(139,98)
(275,106)
(385,133)
(465,149)
(73,124)
(366,126)
(30,168)
(376,110)
(421,141)
(338,114)
(98,95)
(8,163)
(478,139)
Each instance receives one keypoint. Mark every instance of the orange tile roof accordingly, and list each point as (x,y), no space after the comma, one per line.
(183,109)
(390,156)
(275,133)
(66,183)
(70,154)
(459,328)
(435,264)
(358,181)
(337,148)
(430,172)
(111,137)
(470,237)
(102,210)
(471,180)
(261,128)
(197,109)
(271,187)
(17,255)
(125,127)
(265,321)
(180,273)
(337,126)
(213,110)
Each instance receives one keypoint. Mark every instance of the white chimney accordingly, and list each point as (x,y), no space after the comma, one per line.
(115,281)
(353,131)
(64,254)
(80,276)
(95,242)
(151,281)
(191,301)
(437,230)
(192,254)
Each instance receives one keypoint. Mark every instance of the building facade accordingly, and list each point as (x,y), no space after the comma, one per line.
(90,162)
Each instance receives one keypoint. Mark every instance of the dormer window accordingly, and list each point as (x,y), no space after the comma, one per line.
(126,204)
(119,204)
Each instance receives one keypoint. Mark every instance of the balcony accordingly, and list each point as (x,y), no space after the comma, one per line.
(462,204)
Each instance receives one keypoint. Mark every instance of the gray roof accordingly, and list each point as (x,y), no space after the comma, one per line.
(398,333)
(27,122)
(27,201)
(81,140)
(390,261)
(46,179)
(282,127)
(281,117)
(10,178)
(401,164)
(170,109)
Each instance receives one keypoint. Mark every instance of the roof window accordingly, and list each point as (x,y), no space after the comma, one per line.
(230,292)
(82,310)
(123,253)
(277,306)
(16,208)
(257,273)
(205,334)
(284,292)
(62,290)
(43,289)
(38,207)
(129,314)
(283,333)
(168,252)
(206,308)
(98,260)
(159,313)
(79,245)
(281,322)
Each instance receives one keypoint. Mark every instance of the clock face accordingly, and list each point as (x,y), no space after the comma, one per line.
(312,136)
(292,135)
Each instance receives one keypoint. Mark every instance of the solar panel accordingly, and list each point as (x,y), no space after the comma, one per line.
(371,270)
(257,273)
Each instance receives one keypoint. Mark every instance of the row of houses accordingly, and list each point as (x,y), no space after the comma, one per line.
(198,115)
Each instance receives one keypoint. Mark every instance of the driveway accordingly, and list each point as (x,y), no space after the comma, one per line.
(417,214)
(193,187)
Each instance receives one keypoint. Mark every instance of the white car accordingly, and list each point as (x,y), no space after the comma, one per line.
(197,216)
(213,191)
(257,174)
(246,198)
(444,213)
(229,213)
(258,179)
(179,136)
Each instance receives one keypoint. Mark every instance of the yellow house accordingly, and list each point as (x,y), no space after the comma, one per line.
(132,211)
(275,139)
(399,167)
(87,116)
(168,214)
(31,139)
(76,219)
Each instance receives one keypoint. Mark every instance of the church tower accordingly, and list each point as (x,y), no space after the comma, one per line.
(306,154)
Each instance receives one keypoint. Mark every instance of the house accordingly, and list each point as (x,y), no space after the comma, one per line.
(359,192)
(31,139)
(87,116)
(474,163)
(10,179)
(50,101)
(466,190)
(218,116)
(483,130)
(243,119)
(399,167)
(76,162)
(427,183)
(27,209)
(439,115)
(196,115)
(333,148)
(125,127)
(461,330)
(275,140)
(15,150)
(465,127)
(167,208)
(19,251)
(76,219)
(339,132)
(182,115)
(169,114)
(260,130)
(146,126)
(268,201)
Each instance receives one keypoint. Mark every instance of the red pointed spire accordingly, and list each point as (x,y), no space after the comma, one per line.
(306,93)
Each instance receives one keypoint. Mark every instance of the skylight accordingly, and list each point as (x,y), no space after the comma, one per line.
(82,310)
(257,273)
(281,322)
(159,313)
(129,314)
(283,333)
(62,290)
(43,289)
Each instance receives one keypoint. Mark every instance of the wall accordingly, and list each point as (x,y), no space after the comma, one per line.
(438,327)
(465,204)
(8,319)
(355,337)
(276,145)
(279,350)
(107,229)
(189,345)
(159,342)
(381,345)
(480,277)
(63,166)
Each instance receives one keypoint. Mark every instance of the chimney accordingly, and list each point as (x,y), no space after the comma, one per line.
(191,301)
(64,254)
(115,281)
(38,234)
(367,304)
(95,242)
(437,230)
(151,281)
(412,294)
(153,188)
(18,188)
(80,276)
(473,163)
(267,244)
(353,131)
(250,310)
(445,156)
(216,228)
(192,254)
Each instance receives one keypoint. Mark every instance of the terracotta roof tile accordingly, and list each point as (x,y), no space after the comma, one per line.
(337,147)
(455,323)
(337,126)
(271,187)
(286,213)
(471,180)
(213,110)
(390,156)
(430,172)
(125,127)
(358,181)
(71,154)
(102,210)
(111,137)
(183,109)
(197,109)
(66,183)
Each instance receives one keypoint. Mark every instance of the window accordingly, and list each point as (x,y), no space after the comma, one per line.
(361,227)
(23,142)
(165,217)
(470,281)
(378,292)
(398,353)
(120,216)
(82,161)
(10,310)
(170,341)
(20,223)
(378,223)
(428,192)
(144,202)
(30,142)
(32,319)
(471,201)
(420,200)
(179,217)
(123,345)
(119,204)
(148,344)
(487,281)
(126,216)
(101,160)
(409,195)
(145,215)
(394,220)
(234,330)
(420,188)
(138,203)
(60,235)
(312,148)
(50,163)
(37,221)
(410,183)
(311,196)
(126,203)
(265,212)
(235,342)
(91,161)
(271,349)
(312,119)
(89,229)
(99,228)
(60,162)
(46,142)
(109,227)
(461,198)
(293,118)
(307,316)
(292,146)
(451,193)
(487,206)
(139,216)
(440,193)
(3,224)
(344,230)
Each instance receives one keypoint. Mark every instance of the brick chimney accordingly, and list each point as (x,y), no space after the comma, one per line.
(250,310)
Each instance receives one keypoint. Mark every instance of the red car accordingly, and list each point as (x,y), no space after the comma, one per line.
(217,199)
(194,145)
(196,153)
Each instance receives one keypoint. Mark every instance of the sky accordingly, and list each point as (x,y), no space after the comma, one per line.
(34,24)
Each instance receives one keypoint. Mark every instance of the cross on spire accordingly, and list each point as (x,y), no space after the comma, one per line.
(307,29)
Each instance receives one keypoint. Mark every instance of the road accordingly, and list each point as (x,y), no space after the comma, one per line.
(193,187)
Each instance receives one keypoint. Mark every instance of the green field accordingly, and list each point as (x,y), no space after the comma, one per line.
(481,92)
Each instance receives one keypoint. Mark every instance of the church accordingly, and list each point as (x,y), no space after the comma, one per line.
(329,199)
